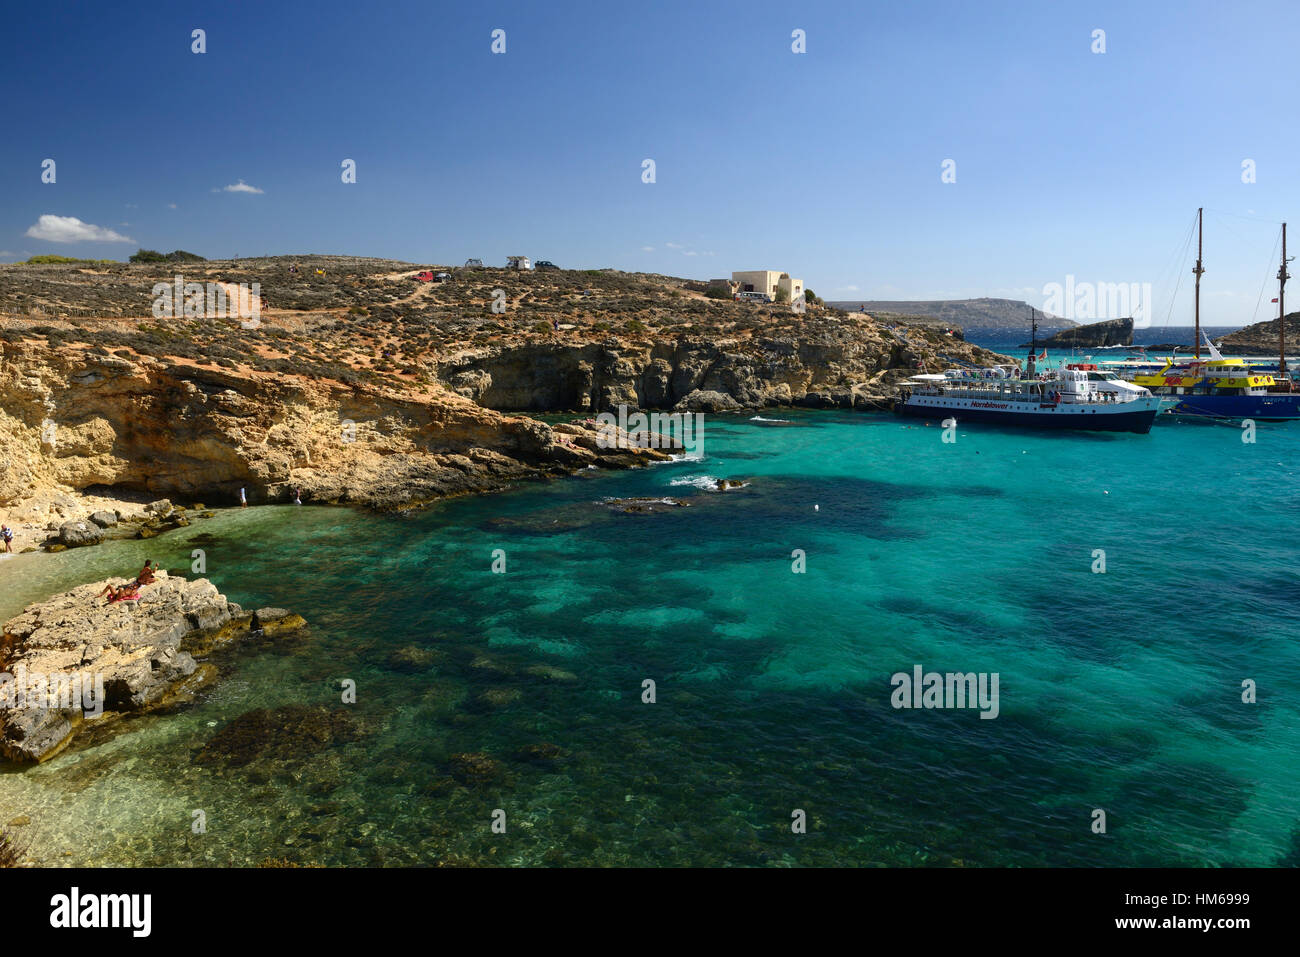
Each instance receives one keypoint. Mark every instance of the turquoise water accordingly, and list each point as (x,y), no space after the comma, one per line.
(1119,691)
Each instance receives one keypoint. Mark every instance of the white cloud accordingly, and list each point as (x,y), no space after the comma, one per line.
(69,229)
(5,254)
(846,289)
(240,187)
(647,249)
(690,252)
(674,245)
(171,205)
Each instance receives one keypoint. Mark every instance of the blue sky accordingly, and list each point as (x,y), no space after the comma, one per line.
(826,164)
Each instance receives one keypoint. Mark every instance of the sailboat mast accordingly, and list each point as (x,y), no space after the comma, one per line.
(1198,270)
(1033,341)
(1282,277)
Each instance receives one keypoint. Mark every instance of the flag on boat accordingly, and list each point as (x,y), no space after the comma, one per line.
(1042,358)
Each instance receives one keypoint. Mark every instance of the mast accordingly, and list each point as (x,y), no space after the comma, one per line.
(1282,277)
(1033,341)
(1198,270)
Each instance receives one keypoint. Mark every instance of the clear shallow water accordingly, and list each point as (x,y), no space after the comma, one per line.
(1119,691)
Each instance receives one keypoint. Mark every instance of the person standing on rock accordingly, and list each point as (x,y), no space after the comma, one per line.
(7,538)
(243,499)
(297,496)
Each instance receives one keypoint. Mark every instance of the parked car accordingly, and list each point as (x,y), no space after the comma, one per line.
(753,297)
(544,264)
(473,264)
(426,276)
(442,277)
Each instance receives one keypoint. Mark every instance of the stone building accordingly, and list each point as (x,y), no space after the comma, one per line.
(767,281)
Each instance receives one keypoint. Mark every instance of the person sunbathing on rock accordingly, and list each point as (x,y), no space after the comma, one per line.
(146,576)
(129,590)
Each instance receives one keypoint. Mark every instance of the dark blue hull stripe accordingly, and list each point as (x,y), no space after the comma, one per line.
(1137,421)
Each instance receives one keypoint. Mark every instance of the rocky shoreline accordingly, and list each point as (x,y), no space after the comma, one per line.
(75,663)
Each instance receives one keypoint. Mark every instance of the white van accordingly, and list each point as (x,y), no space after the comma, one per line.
(753,297)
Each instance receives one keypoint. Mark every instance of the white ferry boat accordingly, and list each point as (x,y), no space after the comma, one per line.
(1057,399)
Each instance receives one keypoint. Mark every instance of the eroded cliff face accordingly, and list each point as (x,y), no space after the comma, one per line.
(74,418)
(360,384)
(853,366)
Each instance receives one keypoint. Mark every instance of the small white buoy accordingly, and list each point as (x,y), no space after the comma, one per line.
(1105,492)
(817,508)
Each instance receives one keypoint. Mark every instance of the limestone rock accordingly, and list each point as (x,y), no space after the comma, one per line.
(138,654)
(78,534)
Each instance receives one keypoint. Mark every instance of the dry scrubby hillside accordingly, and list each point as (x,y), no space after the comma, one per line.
(1261,339)
(425,372)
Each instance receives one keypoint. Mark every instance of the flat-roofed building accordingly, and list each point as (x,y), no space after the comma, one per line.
(767,282)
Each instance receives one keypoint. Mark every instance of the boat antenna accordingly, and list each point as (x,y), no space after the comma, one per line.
(1282,277)
(1198,269)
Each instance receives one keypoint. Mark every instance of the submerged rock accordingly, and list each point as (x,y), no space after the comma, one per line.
(411,659)
(500,697)
(292,733)
(543,753)
(476,768)
(633,505)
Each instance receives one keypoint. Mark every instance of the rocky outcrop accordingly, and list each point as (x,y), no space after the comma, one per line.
(1111,332)
(73,418)
(77,534)
(103,660)
(1261,339)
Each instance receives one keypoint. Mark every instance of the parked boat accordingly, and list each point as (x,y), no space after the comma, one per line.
(1059,399)
(1219,388)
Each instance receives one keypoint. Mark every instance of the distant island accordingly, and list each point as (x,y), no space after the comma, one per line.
(999,315)
(1095,335)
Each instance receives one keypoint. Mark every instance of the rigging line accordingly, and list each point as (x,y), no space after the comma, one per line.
(1253,219)
(1177,266)
(1267,276)
(1187,247)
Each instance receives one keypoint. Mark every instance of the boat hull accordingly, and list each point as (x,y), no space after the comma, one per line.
(1137,420)
(1273,407)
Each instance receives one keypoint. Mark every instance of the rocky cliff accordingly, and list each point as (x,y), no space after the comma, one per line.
(75,418)
(359,384)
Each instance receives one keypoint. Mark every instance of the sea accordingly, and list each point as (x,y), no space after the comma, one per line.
(544,677)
